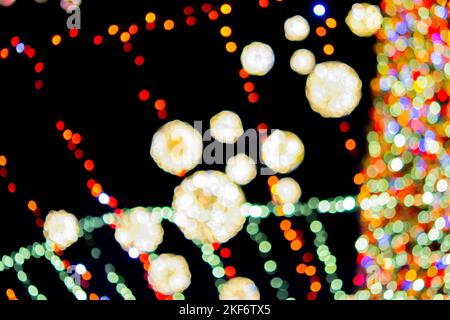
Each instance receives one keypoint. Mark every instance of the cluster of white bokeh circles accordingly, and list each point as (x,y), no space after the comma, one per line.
(333,89)
(286,190)
(169,274)
(283,151)
(177,147)
(302,61)
(61,229)
(257,58)
(241,169)
(296,28)
(364,19)
(207,207)
(226,127)
(138,228)
(239,288)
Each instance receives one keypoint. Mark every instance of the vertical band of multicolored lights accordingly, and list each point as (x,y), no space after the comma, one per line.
(404,198)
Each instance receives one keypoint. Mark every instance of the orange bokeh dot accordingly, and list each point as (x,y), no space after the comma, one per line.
(301,268)
(290,235)
(56,40)
(32,205)
(243,74)
(328,49)
(321,31)
(93,296)
(4,53)
(331,23)
(253,97)
(350,144)
(169,24)
(89,165)
(315,286)
(231,47)
(225,31)
(125,36)
(133,29)
(3,161)
(213,15)
(296,245)
(160,104)
(67,134)
(113,29)
(272,180)
(310,271)
(285,225)
(249,86)
(76,138)
(263,3)
(358,178)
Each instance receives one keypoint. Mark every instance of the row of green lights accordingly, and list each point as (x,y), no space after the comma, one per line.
(270,266)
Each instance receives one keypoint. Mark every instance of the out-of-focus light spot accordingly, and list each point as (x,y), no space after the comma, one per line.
(169,274)
(331,23)
(333,89)
(20,47)
(103,198)
(144,95)
(61,229)
(113,29)
(125,36)
(150,17)
(133,253)
(225,31)
(89,165)
(56,40)
(319,10)
(169,24)
(226,127)
(350,144)
(80,269)
(302,61)
(257,58)
(177,147)
(328,49)
(286,190)
(239,288)
(225,8)
(231,47)
(364,19)
(321,31)
(296,28)
(241,169)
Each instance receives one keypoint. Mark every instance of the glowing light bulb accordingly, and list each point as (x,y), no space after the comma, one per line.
(286,190)
(177,147)
(226,127)
(207,207)
(61,229)
(241,169)
(138,230)
(283,151)
(303,61)
(364,19)
(239,288)
(333,89)
(257,58)
(296,28)
(169,274)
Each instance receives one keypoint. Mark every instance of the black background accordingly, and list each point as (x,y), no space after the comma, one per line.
(94,90)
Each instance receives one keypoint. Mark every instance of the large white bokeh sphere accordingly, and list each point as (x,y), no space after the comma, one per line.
(283,151)
(257,58)
(241,169)
(286,190)
(296,28)
(137,228)
(207,207)
(302,61)
(169,274)
(226,127)
(364,19)
(333,89)
(239,288)
(61,229)
(177,147)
